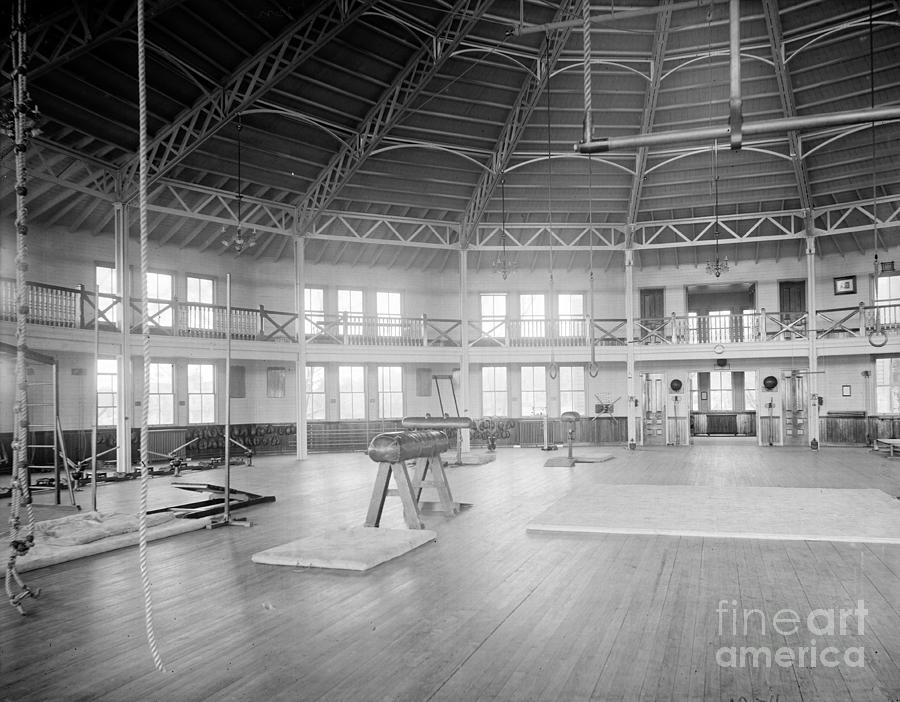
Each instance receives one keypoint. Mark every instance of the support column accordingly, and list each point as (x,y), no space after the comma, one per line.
(633,433)
(300,307)
(124,388)
(813,385)
(464,344)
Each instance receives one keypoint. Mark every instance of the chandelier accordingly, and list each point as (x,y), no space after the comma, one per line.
(239,239)
(720,265)
(503,264)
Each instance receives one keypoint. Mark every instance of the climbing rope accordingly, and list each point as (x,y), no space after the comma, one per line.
(145,332)
(593,367)
(19,125)
(877,337)
(553,368)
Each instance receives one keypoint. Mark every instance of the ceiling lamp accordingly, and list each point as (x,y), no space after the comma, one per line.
(503,264)
(719,265)
(238,239)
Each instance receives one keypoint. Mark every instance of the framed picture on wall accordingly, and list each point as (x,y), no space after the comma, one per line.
(845,391)
(845,285)
(703,394)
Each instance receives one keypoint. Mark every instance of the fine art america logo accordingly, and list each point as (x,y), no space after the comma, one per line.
(810,651)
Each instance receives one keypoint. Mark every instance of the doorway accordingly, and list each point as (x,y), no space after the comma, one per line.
(653,417)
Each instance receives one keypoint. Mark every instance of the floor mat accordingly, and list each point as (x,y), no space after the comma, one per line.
(814,514)
(357,548)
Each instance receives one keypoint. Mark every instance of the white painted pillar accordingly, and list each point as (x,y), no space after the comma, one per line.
(300,307)
(631,381)
(813,384)
(464,343)
(124,389)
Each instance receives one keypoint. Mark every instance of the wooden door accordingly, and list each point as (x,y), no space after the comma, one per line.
(654,409)
(653,315)
(792,302)
(794,409)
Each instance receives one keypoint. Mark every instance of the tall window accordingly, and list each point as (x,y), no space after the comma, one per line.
(695,391)
(201,393)
(107,391)
(721,396)
(750,391)
(159,294)
(720,325)
(887,385)
(107,288)
(314,307)
(493,316)
(390,392)
(315,392)
(571,389)
(387,308)
(534,390)
(571,314)
(531,310)
(352,392)
(493,391)
(162,394)
(200,298)
(350,303)
(276,382)
(887,295)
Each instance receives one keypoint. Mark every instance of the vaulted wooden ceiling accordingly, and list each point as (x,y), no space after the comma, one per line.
(396,131)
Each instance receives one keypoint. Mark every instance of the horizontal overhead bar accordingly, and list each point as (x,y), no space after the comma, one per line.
(784,124)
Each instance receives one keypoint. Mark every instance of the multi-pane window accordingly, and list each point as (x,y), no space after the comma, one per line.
(161,409)
(534,390)
(887,298)
(387,308)
(494,391)
(107,391)
(200,298)
(721,395)
(493,315)
(750,391)
(352,392)
(531,310)
(315,392)
(314,308)
(159,299)
(695,391)
(887,385)
(201,393)
(571,389)
(720,325)
(350,306)
(107,289)
(390,392)
(571,314)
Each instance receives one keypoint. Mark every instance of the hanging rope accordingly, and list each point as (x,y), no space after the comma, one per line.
(586,49)
(593,368)
(19,126)
(553,369)
(145,332)
(877,337)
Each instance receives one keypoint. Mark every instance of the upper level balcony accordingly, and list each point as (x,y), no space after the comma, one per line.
(76,308)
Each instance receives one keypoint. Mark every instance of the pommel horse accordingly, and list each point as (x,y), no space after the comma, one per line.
(443,424)
(390,451)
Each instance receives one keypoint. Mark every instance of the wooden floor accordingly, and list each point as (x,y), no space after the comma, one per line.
(487,612)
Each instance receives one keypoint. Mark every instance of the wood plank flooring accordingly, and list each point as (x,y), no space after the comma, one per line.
(487,612)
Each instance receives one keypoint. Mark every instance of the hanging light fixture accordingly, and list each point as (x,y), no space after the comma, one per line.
(503,264)
(719,265)
(239,239)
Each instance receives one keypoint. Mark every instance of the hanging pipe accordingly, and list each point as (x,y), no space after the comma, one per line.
(784,124)
(736,115)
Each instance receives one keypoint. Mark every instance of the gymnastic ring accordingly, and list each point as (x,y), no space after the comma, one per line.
(276,441)
(510,424)
(593,369)
(504,434)
(279,430)
(882,334)
(269,429)
(553,370)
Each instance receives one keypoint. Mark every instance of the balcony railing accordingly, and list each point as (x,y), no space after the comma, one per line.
(76,308)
